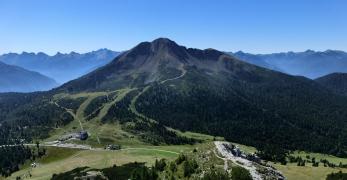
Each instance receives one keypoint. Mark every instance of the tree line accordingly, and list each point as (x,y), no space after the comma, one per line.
(228,111)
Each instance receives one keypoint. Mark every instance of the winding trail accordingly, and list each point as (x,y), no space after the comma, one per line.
(87,147)
(70,111)
(184,71)
(151,149)
(107,106)
(226,166)
(133,101)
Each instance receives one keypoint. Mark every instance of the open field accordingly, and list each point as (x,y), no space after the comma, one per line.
(247,149)
(199,136)
(63,159)
(294,172)
(318,156)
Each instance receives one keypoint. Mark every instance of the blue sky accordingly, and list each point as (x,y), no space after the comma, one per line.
(256,26)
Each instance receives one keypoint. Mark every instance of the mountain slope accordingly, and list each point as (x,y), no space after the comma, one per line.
(61,67)
(16,79)
(155,61)
(311,64)
(211,92)
(337,82)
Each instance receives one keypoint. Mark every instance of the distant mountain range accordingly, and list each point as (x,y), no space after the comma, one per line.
(61,67)
(17,79)
(311,64)
(65,67)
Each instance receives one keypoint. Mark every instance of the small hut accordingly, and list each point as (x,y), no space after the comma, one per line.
(83,135)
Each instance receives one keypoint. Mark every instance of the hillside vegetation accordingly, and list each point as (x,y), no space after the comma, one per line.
(204,91)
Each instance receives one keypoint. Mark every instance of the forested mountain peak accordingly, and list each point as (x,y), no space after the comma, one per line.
(156,61)
(337,82)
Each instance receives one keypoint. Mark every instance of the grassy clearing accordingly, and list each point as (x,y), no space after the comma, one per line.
(73,126)
(247,149)
(205,157)
(56,154)
(120,96)
(293,172)
(62,159)
(53,154)
(209,138)
(318,156)
(199,136)
(102,134)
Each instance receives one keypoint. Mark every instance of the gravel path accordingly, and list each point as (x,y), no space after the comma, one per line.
(87,147)
(180,76)
(249,165)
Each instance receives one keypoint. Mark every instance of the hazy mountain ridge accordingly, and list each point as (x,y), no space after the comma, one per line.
(65,67)
(61,67)
(17,79)
(311,64)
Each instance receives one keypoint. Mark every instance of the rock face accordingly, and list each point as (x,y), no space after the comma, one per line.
(16,79)
(257,169)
